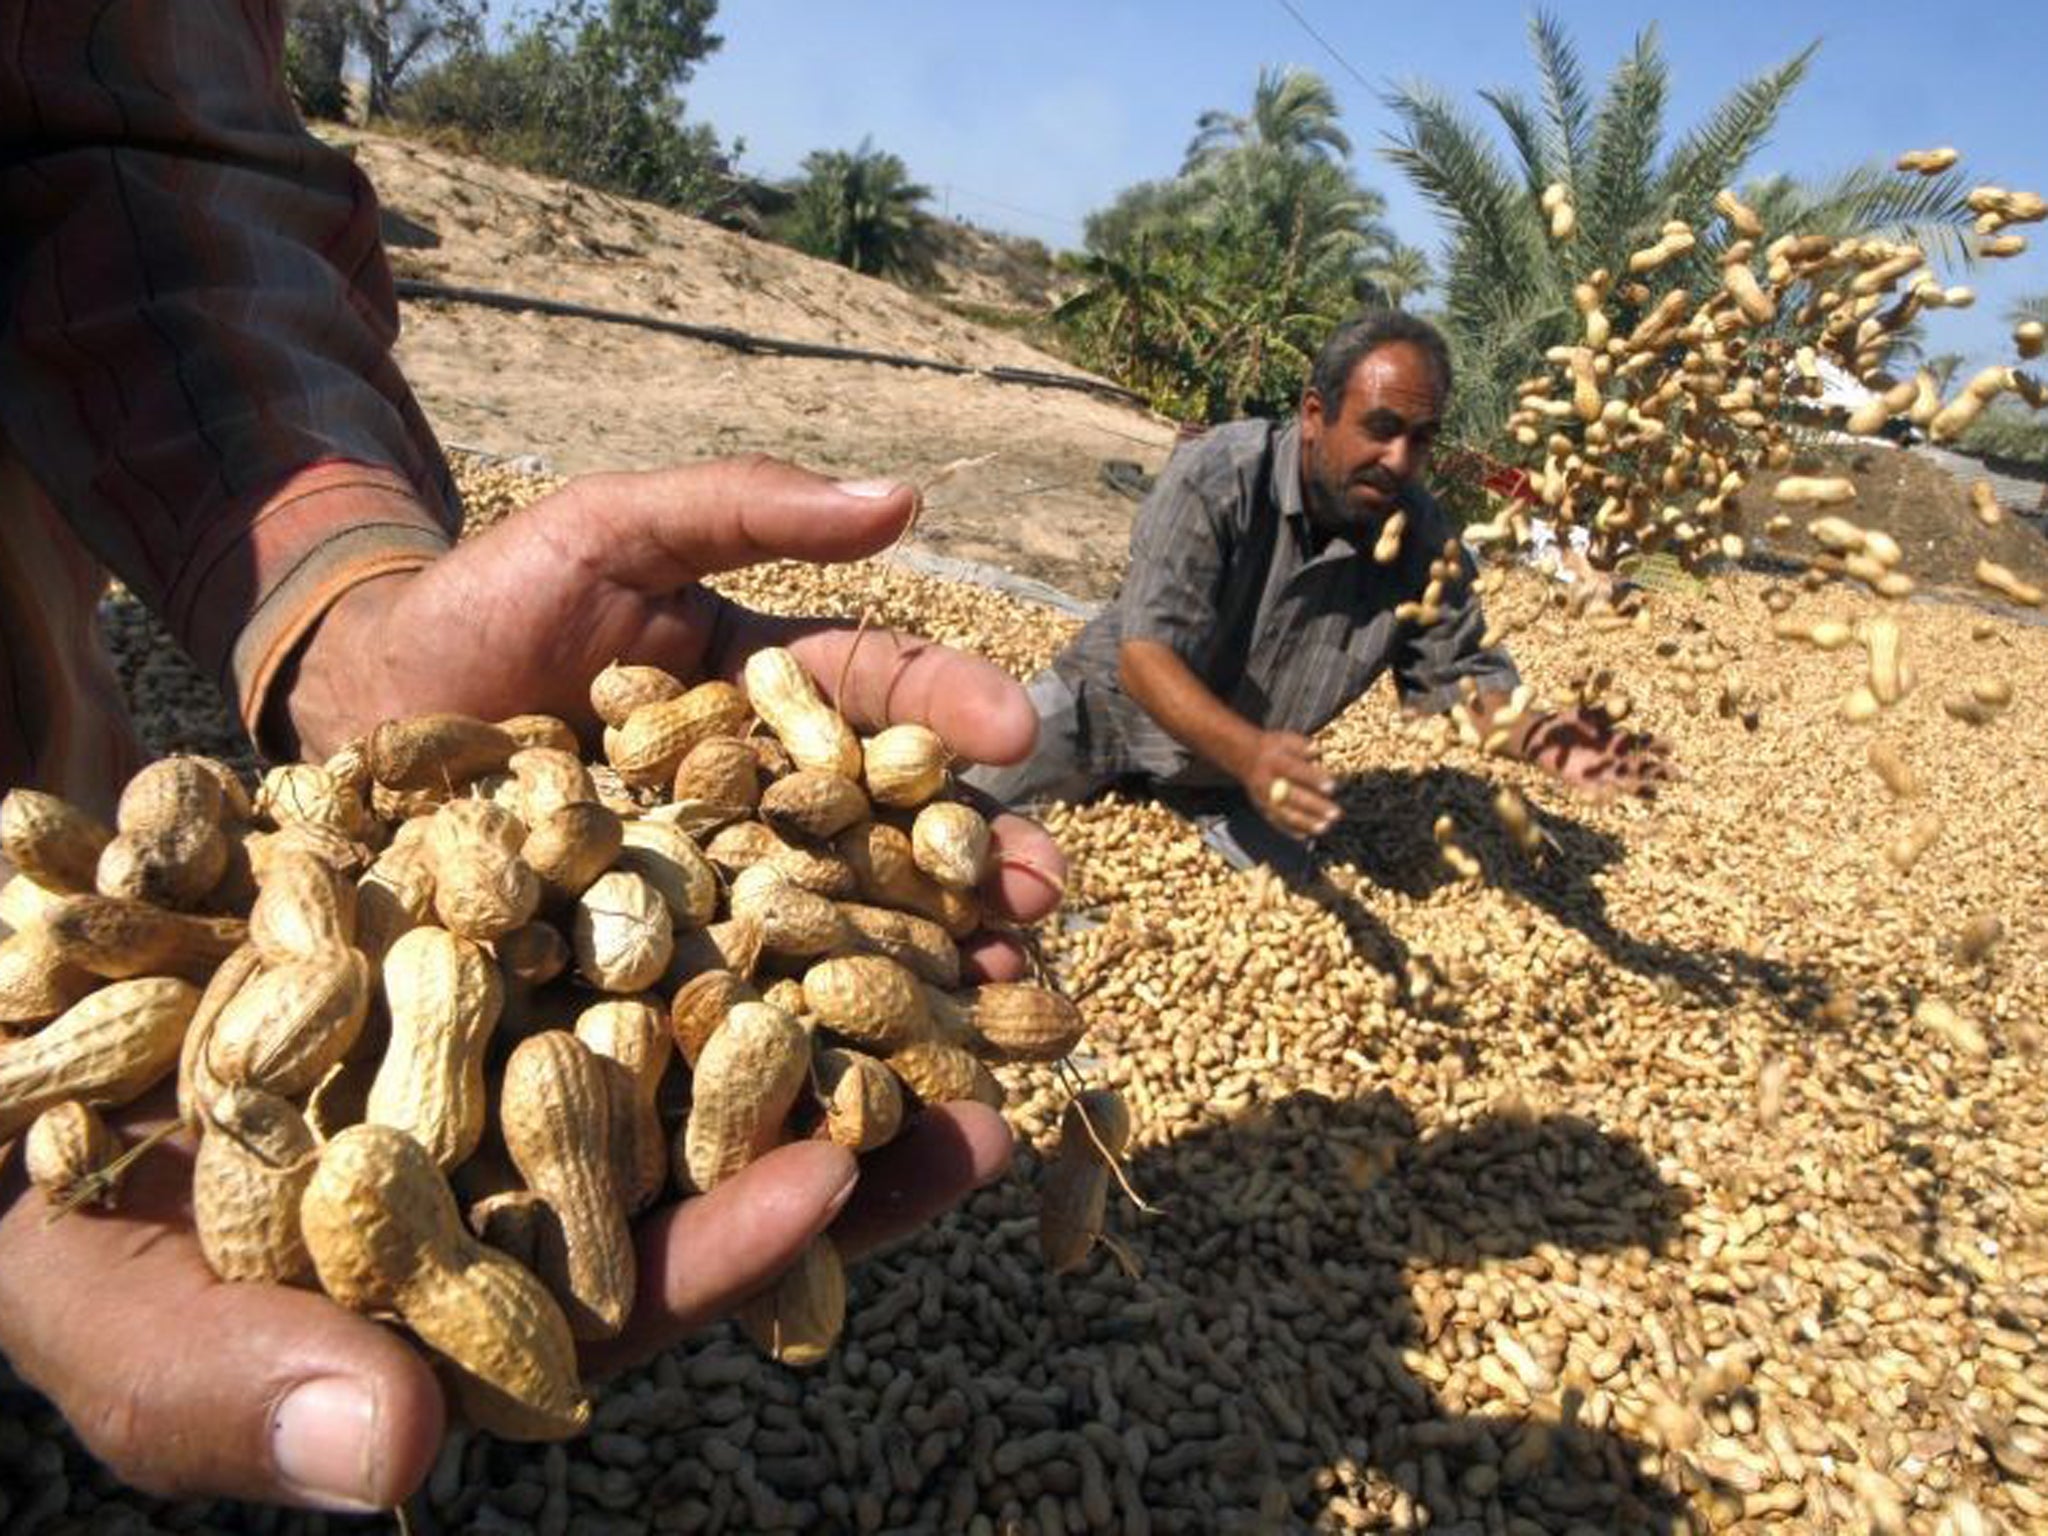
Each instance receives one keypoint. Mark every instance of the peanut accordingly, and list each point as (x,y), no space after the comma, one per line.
(700,1006)
(904,765)
(621,933)
(287,1026)
(811,804)
(885,868)
(171,846)
(747,1078)
(108,1048)
(939,1073)
(746,843)
(380,1223)
(1008,1021)
(650,746)
(795,923)
(66,1153)
(950,843)
(863,1099)
(482,887)
(436,754)
(304,908)
(555,1112)
(799,1317)
(668,860)
(869,999)
(36,982)
(722,771)
(307,793)
(570,847)
(630,1038)
(917,943)
(622,688)
(118,938)
(50,840)
(444,996)
(787,701)
(253,1164)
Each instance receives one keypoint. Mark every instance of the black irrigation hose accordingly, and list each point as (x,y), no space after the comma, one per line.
(767,346)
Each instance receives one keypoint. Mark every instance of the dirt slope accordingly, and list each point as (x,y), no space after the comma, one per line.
(585,395)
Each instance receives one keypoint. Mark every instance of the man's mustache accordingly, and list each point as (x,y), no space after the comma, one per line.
(1378,479)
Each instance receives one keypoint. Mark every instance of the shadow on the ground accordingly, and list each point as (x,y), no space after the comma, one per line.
(1386,836)
(1314,1273)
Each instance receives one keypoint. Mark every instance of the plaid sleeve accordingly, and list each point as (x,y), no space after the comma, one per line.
(1431,660)
(1179,548)
(196,351)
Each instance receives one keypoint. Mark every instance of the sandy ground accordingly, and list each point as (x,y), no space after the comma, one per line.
(586,395)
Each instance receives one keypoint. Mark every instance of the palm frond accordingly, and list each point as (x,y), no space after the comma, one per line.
(1712,155)
(1564,97)
(1873,199)
(1457,170)
(1616,200)
(1526,134)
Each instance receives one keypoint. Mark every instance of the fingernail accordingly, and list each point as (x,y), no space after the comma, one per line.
(323,1442)
(838,1202)
(872,489)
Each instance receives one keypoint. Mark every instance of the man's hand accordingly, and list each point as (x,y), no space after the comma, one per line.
(607,569)
(185,1385)
(1288,784)
(1588,751)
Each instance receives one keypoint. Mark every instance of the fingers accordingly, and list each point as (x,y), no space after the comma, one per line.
(700,1259)
(186,1386)
(703,1257)
(946,1153)
(662,529)
(1298,809)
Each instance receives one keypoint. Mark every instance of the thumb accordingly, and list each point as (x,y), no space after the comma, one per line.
(184,1385)
(661,529)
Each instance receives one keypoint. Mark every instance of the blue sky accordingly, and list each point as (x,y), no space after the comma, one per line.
(1024,117)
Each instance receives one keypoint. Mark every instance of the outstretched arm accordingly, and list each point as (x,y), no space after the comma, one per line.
(1279,770)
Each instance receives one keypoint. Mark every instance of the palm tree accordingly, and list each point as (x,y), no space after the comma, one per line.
(1396,275)
(861,209)
(1507,287)
(1134,297)
(1293,116)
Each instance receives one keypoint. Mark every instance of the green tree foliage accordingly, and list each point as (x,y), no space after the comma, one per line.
(860,208)
(390,36)
(1507,285)
(315,48)
(588,92)
(1211,291)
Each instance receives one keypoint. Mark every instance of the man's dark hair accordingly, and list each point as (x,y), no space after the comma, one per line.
(1376,328)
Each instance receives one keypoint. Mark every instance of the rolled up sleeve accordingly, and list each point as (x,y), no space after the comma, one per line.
(196,329)
(1433,659)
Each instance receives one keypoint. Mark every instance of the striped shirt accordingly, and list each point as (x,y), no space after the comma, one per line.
(197,388)
(1285,623)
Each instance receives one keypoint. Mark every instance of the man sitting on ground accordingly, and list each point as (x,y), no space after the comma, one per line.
(1257,607)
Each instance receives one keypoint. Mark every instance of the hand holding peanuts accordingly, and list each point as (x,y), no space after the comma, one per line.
(188,1385)
(1290,788)
(522,618)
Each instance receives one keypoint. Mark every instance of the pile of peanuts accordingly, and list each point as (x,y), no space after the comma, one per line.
(449,1009)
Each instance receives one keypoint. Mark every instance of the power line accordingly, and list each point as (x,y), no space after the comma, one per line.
(1327,46)
(952,189)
